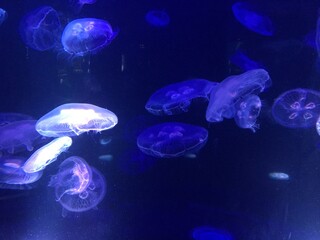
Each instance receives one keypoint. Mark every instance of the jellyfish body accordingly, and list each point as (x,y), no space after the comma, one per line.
(224,97)
(9,117)
(279,176)
(87,36)
(172,139)
(297,108)
(253,20)
(241,60)
(73,119)
(157,18)
(3,15)
(177,97)
(40,28)
(78,4)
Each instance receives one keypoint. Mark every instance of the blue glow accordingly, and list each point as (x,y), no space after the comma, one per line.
(172,139)
(279,176)
(297,108)
(224,97)
(39,29)
(78,4)
(87,36)
(9,117)
(3,15)
(157,18)
(176,98)
(252,20)
(244,62)
(210,233)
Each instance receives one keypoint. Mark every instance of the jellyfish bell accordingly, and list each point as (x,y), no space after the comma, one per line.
(77,5)
(3,15)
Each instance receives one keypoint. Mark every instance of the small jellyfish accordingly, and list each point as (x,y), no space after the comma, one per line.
(279,176)
(78,4)
(224,97)
(297,108)
(176,98)
(157,18)
(241,60)
(247,112)
(40,28)
(87,36)
(210,233)
(251,19)
(106,157)
(172,139)
(3,15)
(73,119)
(47,154)
(105,141)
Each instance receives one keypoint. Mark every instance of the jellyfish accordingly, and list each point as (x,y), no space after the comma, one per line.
(9,117)
(12,175)
(40,28)
(87,36)
(157,18)
(279,176)
(247,112)
(297,108)
(78,4)
(47,154)
(176,98)
(18,135)
(73,119)
(210,233)
(172,139)
(224,97)
(244,62)
(253,20)
(3,15)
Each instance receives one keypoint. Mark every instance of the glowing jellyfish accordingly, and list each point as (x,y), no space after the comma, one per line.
(244,62)
(279,176)
(78,4)
(12,175)
(3,15)
(224,97)
(73,119)
(172,139)
(87,36)
(40,28)
(297,108)
(247,112)
(9,117)
(18,135)
(47,154)
(157,18)
(176,98)
(210,233)
(251,19)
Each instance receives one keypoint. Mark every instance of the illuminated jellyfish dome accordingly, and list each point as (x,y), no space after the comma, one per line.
(73,119)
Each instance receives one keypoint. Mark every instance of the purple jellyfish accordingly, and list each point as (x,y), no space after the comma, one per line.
(244,62)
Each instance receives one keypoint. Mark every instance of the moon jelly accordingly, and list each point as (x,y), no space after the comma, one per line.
(157,18)
(47,154)
(244,62)
(12,175)
(176,98)
(78,4)
(73,119)
(279,176)
(3,15)
(87,36)
(224,97)
(247,112)
(40,28)
(297,108)
(252,20)
(210,233)
(172,139)
(18,134)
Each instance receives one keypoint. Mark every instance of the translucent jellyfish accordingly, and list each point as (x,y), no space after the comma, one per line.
(247,112)
(224,97)
(172,139)
(78,4)
(157,18)
(176,98)
(297,108)
(3,15)
(47,154)
(40,28)
(10,117)
(244,62)
(12,175)
(251,19)
(73,119)
(18,135)
(210,233)
(279,176)
(73,177)
(87,36)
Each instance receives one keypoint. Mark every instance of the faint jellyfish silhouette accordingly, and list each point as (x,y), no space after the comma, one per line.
(9,117)
(3,15)
(244,62)
(157,18)
(252,20)
(247,112)
(12,175)
(224,97)
(47,154)
(172,139)
(40,28)
(176,98)
(73,119)
(279,176)
(18,135)
(210,233)
(78,4)
(87,36)
(297,108)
